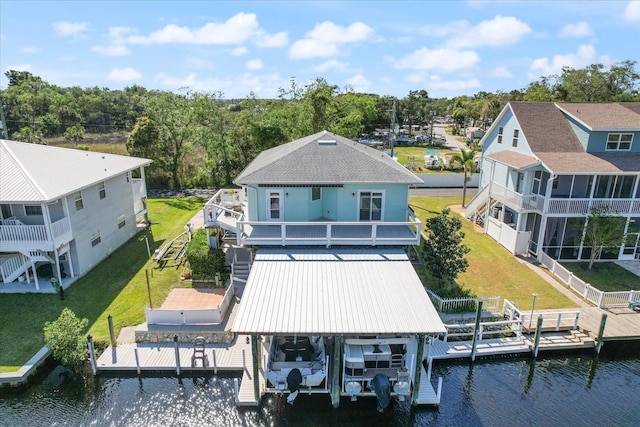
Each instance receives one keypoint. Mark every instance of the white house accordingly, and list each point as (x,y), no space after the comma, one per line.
(64,207)
(545,166)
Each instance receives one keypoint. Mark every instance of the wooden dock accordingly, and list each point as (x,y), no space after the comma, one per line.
(622,323)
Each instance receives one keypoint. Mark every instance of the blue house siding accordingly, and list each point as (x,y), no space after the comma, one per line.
(580,131)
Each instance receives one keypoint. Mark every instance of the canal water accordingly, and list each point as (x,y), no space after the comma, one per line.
(575,390)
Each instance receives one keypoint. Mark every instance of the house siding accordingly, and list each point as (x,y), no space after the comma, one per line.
(101,215)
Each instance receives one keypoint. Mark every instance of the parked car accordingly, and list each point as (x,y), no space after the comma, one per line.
(439,140)
(404,141)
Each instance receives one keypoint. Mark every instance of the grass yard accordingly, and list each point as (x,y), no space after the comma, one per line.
(493,271)
(605,276)
(416,154)
(116,286)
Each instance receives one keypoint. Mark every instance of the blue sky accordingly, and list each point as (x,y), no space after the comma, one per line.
(448,48)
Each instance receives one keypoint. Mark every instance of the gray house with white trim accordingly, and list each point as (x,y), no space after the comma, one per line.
(545,166)
(64,207)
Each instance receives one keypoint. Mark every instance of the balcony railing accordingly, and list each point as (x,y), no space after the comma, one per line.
(224,210)
(561,206)
(24,236)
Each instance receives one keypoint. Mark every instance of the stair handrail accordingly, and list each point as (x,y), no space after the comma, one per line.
(471,207)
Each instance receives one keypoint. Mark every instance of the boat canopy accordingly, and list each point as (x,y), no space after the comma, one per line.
(335,291)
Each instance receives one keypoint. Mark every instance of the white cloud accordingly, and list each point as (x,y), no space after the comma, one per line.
(434,82)
(111,50)
(332,64)
(581,29)
(502,72)
(124,74)
(255,64)
(326,38)
(545,66)
(438,59)
(309,48)
(359,83)
(632,11)
(239,51)
(70,28)
(500,31)
(272,40)
(237,87)
(30,49)
(237,30)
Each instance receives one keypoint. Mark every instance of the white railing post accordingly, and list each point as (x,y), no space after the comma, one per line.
(600,298)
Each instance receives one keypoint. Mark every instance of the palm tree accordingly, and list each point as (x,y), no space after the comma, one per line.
(465,159)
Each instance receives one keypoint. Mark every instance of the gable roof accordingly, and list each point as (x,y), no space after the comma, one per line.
(324,158)
(604,116)
(545,127)
(42,173)
(552,139)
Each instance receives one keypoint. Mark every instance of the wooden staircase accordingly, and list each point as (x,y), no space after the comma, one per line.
(240,268)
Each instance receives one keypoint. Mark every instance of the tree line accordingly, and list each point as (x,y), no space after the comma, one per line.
(201,139)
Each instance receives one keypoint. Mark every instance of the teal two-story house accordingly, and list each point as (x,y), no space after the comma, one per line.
(545,166)
(328,283)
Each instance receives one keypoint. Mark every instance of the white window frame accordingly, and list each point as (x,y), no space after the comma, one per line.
(36,208)
(616,139)
(500,131)
(372,193)
(77,200)
(95,238)
(122,221)
(516,135)
(102,190)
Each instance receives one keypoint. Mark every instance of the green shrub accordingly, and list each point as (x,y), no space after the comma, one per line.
(204,261)
(64,337)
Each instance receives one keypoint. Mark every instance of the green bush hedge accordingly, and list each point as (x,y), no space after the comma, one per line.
(204,261)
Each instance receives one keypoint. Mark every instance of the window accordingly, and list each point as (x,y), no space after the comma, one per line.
(500,129)
(619,141)
(516,133)
(102,191)
(370,206)
(614,187)
(95,238)
(316,193)
(6,211)
(121,221)
(33,210)
(77,197)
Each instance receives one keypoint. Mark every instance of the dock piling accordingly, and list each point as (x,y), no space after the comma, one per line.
(112,334)
(215,362)
(177,351)
(92,355)
(135,353)
(536,345)
(475,331)
(600,339)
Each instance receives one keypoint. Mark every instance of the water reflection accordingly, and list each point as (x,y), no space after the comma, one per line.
(544,392)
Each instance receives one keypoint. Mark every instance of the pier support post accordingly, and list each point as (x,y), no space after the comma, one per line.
(112,334)
(600,343)
(475,331)
(215,362)
(418,370)
(177,352)
(536,342)
(335,372)
(135,353)
(92,355)
(255,352)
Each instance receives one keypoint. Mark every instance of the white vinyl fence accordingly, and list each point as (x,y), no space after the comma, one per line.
(200,316)
(595,296)
(490,304)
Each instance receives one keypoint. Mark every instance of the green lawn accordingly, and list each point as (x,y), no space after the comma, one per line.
(416,154)
(605,276)
(117,286)
(493,271)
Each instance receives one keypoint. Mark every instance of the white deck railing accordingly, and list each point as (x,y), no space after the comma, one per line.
(27,235)
(491,329)
(595,296)
(196,316)
(558,319)
(489,304)
(584,206)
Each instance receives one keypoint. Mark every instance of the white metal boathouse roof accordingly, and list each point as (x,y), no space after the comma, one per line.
(338,291)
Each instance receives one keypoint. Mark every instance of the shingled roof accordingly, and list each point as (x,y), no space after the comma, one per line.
(605,116)
(324,158)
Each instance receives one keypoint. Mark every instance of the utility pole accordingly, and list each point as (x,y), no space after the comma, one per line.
(392,126)
(5,132)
